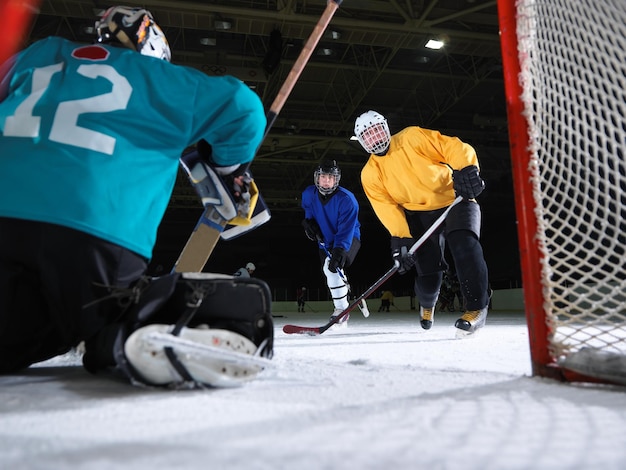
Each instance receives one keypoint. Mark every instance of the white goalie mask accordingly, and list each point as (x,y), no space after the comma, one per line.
(372,132)
(135,29)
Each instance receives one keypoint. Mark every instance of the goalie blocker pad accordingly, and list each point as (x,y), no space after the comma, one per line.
(260,215)
(199,301)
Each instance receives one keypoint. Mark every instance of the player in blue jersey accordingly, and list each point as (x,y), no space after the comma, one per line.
(331,218)
(90,141)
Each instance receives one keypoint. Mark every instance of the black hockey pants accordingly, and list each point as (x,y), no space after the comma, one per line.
(461,232)
(49,276)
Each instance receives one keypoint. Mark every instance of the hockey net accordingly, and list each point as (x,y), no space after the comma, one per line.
(565,82)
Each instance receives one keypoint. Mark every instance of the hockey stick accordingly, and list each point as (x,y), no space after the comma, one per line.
(209,227)
(362,306)
(318,330)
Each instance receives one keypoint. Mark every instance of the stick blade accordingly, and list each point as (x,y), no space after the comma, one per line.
(302,330)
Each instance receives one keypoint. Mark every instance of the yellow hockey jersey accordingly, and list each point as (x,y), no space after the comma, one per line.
(414,175)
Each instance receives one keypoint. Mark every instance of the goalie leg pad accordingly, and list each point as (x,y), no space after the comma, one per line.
(200,301)
(211,357)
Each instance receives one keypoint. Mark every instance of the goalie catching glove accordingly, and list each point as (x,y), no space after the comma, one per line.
(467,182)
(400,253)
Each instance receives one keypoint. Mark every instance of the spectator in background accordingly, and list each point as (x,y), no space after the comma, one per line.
(300,297)
(386,299)
(246,271)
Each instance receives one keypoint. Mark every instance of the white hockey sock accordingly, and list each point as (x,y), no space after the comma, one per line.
(338,288)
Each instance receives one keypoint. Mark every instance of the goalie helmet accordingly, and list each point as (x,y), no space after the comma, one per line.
(326,185)
(372,132)
(135,29)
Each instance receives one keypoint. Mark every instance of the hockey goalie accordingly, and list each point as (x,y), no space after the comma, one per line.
(91,136)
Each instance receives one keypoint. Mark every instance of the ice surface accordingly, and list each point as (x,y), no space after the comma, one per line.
(381,394)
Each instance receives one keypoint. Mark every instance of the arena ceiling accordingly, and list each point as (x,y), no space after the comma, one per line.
(372,56)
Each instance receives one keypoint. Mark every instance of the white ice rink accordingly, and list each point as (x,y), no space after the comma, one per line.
(382,394)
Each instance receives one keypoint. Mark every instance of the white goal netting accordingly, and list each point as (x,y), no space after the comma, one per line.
(572,55)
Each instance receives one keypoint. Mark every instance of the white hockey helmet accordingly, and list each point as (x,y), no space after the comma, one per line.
(372,132)
(134,28)
(250,267)
(328,167)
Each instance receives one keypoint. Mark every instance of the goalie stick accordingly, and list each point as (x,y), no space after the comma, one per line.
(210,226)
(318,330)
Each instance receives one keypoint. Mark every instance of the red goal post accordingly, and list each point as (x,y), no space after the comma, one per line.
(564,67)
(15,18)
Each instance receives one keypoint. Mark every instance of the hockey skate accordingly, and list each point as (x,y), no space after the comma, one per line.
(470,322)
(427,317)
(341,324)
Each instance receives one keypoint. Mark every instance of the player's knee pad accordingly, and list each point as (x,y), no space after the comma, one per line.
(333,279)
(220,325)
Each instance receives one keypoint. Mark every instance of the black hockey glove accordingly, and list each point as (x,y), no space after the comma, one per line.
(400,253)
(337,259)
(467,182)
(312,230)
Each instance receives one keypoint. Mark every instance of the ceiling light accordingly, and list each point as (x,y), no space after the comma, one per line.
(325,51)
(434,44)
(208,41)
(332,34)
(222,25)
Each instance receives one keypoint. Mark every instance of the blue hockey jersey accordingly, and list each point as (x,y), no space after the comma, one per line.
(337,216)
(91,135)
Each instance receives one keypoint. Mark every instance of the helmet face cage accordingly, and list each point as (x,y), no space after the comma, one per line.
(329,168)
(135,29)
(372,132)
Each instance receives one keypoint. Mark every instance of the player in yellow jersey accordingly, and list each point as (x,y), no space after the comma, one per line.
(410,178)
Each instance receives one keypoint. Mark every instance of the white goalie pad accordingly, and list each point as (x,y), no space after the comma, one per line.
(212,357)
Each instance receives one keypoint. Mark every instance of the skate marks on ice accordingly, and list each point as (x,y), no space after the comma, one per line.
(366,398)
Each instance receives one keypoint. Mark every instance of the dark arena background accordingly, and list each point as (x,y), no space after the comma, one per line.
(373,55)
